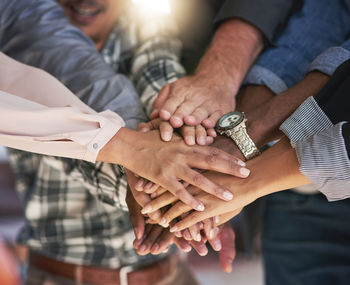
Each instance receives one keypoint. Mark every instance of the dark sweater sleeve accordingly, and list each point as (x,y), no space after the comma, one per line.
(269,16)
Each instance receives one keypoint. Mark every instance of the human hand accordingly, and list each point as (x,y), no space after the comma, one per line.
(201,98)
(168,163)
(191,134)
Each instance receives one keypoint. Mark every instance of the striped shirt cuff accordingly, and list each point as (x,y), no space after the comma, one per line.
(306,121)
(323,159)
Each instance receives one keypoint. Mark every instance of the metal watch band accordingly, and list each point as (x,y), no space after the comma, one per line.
(243,141)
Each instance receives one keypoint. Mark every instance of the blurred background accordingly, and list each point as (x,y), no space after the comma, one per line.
(247,268)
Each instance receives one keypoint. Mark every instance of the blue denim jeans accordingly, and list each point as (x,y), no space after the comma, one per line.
(306,240)
(316,38)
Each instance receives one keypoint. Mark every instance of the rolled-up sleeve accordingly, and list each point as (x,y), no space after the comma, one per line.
(331,59)
(267,15)
(321,149)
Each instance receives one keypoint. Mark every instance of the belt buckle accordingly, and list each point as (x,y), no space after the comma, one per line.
(123,274)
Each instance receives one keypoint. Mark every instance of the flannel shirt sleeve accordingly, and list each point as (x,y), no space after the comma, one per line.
(156,61)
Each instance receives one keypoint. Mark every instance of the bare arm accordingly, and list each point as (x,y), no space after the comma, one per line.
(212,89)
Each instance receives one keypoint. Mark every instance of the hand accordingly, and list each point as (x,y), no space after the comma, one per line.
(191,134)
(196,99)
(165,163)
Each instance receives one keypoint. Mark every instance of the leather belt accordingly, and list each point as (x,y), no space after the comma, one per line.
(146,275)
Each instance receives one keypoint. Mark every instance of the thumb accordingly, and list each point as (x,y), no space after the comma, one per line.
(228,252)
(161,98)
(136,218)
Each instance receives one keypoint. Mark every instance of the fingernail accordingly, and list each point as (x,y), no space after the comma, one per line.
(244,171)
(173,229)
(211,234)
(228,196)
(166,250)
(217,245)
(155,247)
(142,248)
(202,250)
(178,234)
(165,115)
(201,140)
(166,136)
(164,223)
(190,140)
(153,195)
(198,237)
(241,163)
(191,119)
(187,248)
(200,207)
(187,235)
(146,209)
(177,120)
(144,130)
(217,219)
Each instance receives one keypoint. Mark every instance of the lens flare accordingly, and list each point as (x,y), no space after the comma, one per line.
(160,6)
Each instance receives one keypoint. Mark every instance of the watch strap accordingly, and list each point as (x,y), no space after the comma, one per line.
(243,141)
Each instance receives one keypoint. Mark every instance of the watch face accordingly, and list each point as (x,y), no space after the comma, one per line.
(230,120)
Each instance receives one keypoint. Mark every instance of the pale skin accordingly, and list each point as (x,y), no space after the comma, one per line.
(263,122)
(165,163)
(155,239)
(275,170)
(196,102)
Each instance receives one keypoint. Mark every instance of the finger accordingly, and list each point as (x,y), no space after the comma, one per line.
(216,243)
(188,133)
(211,121)
(149,241)
(154,205)
(202,182)
(211,158)
(166,131)
(182,244)
(212,133)
(175,211)
(200,247)
(178,190)
(168,109)
(197,116)
(160,190)
(150,187)
(144,127)
(195,232)
(161,98)
(201,135)
(164,240)
(208,225)
(140,184)
(185,109)
(154,114)
(228,251)
(188,221)
(136,218)
(209,140)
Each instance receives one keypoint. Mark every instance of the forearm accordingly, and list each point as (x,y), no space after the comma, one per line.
(263,122)
(235,47)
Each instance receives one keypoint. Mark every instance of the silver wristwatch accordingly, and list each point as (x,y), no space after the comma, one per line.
(233,125)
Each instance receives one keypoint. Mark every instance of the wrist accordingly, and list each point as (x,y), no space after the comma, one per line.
(119,148)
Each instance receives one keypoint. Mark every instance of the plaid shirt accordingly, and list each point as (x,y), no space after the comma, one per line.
(76,210)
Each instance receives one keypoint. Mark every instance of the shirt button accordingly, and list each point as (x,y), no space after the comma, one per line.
(95,145)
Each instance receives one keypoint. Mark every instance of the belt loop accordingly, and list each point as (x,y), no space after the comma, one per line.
(123,274)
(78,275)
